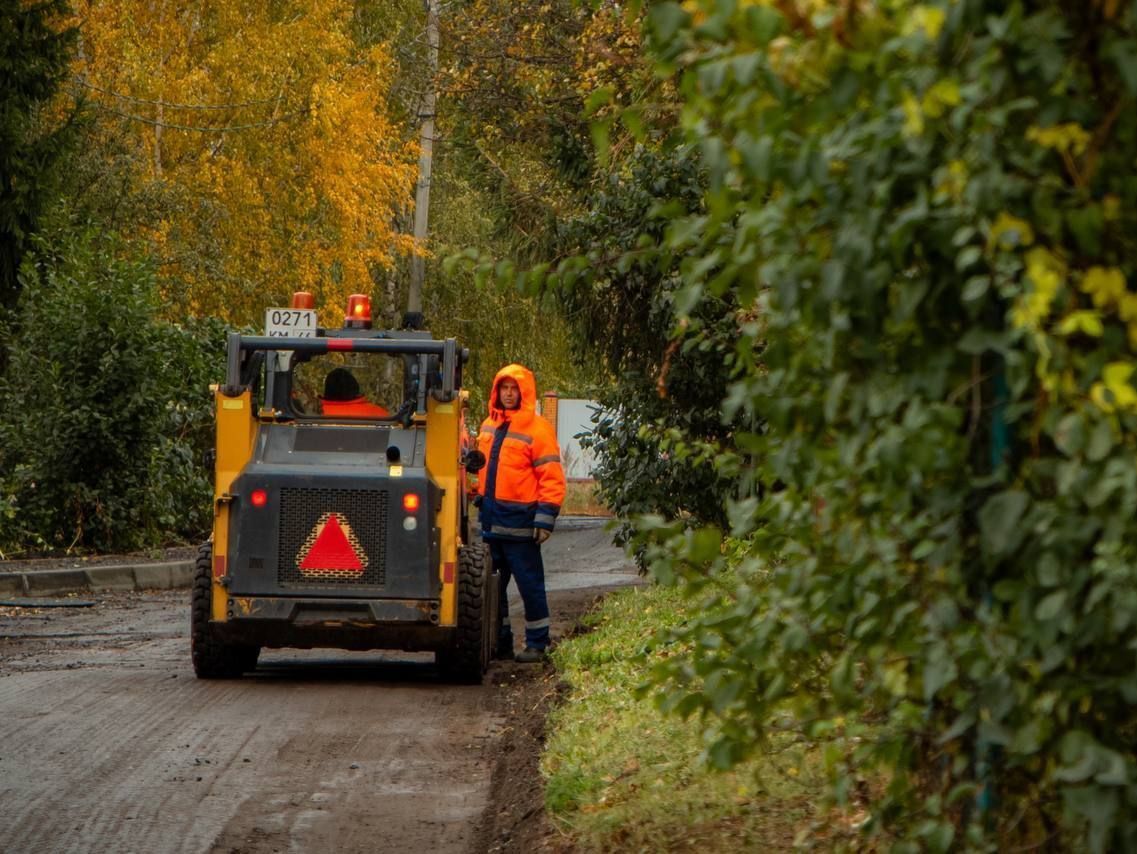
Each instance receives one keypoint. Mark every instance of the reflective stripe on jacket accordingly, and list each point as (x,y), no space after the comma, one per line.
(522,484)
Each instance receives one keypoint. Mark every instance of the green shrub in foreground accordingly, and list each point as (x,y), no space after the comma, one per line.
(104,409)
(932,208)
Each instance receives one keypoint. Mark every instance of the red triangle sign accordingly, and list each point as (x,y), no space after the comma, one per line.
(332,549)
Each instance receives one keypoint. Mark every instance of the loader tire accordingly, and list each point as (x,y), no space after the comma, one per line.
(468,658)
(212,657)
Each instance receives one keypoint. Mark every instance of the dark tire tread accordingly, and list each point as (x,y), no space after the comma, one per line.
(212,657)
(469,657)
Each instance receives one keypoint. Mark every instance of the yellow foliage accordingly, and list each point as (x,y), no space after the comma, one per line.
(1105,286)
(951,181)
(1127,307)
(269,128)
(913,116)
(1045,274)
(936,101)
(1009,232)
(1115,390)
(929,19)
(943,94)
(1069,138)
(1084,322)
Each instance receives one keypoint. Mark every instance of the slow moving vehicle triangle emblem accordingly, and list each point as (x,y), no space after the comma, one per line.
(331,550)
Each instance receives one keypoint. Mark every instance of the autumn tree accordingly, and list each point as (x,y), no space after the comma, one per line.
(268,131)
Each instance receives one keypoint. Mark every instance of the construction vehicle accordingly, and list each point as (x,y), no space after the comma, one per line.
(335,530)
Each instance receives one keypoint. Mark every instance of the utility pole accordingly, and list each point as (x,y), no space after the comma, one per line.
(425,160)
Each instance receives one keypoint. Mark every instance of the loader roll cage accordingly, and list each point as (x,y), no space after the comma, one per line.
(433,367)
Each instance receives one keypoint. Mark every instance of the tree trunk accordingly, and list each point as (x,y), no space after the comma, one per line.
(422,190)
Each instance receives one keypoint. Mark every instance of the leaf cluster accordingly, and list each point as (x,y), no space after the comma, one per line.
(921,216)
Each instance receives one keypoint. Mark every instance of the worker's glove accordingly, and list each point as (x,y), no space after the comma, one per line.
(540,535)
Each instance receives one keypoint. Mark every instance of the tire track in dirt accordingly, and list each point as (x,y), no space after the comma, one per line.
(108,743)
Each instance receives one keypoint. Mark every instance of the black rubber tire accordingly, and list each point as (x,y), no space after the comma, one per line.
(212,657)
(467,660)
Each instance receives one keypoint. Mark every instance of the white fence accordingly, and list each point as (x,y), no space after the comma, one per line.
(574,416)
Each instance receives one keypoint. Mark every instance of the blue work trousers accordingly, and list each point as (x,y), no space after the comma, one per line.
(522,561)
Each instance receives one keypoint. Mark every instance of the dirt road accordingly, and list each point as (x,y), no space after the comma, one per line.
(108,743)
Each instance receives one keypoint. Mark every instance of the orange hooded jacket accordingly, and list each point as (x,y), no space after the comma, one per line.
(522,484)
(357,407)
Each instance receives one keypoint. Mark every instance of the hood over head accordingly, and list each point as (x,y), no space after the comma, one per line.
(524,379)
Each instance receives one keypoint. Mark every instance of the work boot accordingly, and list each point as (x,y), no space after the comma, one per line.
(531,655)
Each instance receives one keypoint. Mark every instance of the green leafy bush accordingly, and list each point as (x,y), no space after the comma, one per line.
(665,395)
(106,410)
(37,44)
(931,209)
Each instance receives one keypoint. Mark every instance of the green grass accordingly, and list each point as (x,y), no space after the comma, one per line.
(620,775)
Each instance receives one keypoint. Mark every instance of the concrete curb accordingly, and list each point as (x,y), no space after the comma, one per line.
(52,582)
(580,523)
(155,576)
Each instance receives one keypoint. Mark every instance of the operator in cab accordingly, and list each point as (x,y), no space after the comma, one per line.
(342,398)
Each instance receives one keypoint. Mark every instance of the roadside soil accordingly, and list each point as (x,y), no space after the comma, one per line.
(515,821)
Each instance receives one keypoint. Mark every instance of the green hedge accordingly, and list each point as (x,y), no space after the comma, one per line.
(106,412)
(930,210)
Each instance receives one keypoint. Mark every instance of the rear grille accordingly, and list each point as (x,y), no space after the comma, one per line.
(332,537)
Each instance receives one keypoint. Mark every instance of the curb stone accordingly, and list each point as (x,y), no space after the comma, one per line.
(161,576)
(155,576)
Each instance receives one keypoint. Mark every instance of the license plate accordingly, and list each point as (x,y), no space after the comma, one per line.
(290,323)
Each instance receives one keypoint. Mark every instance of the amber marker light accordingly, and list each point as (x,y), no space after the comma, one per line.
(358,312)
(410,502)
(259,498)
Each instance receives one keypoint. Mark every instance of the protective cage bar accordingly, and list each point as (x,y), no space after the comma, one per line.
(238,343)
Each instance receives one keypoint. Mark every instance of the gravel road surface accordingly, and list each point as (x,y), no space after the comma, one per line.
(109,744)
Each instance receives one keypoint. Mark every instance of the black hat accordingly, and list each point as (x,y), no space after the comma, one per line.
(340,384)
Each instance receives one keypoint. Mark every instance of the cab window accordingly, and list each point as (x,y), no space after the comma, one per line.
(364,385)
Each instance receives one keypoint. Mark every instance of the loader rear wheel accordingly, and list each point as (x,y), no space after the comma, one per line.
(212,657)
(469,657)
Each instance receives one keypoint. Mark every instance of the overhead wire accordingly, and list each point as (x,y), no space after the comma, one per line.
(202,128)
(159,103)
(193,107)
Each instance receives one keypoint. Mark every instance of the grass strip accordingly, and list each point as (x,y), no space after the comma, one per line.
(621,775)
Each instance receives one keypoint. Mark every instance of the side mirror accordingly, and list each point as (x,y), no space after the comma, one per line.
(475,461)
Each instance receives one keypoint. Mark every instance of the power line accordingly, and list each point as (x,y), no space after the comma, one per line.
(202,129)
(157,103)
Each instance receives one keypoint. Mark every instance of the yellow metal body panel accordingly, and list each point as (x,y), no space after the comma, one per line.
(443,434)
(236,433)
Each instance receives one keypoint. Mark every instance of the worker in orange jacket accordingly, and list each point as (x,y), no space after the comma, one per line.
(520,491)
(343,398)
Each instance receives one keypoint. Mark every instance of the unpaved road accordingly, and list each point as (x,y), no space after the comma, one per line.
(109,744)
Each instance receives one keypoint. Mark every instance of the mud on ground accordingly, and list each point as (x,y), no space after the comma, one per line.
(515,821)
(99,711)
